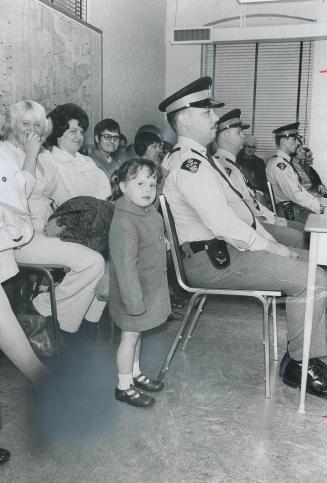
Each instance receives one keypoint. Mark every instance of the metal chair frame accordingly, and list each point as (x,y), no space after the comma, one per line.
(47,271)
(272,197)
(198,299)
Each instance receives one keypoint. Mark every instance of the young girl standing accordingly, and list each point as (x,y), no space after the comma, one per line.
(138,295)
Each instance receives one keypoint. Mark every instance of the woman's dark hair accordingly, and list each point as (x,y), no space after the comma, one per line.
(60,117)
(143,140)
(129,170)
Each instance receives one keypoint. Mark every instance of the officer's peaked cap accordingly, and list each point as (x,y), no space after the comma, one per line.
(231,119)
(288,130)
(196,94)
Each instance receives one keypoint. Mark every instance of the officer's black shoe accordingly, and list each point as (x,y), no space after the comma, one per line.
(283,364)
(290,371)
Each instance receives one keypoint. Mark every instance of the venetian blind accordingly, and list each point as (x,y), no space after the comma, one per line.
(74,7)
(269,82)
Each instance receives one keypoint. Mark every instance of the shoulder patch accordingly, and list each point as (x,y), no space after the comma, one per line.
(191,165)
(281,166)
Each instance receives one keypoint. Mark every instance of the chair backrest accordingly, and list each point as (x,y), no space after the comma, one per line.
(173,241)
(272,197)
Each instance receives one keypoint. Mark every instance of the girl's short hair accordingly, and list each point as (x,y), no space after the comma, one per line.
(15,114)
(60,117)
(129,170)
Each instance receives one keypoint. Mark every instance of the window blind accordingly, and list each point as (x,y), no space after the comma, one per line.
(269,82)
(74,7)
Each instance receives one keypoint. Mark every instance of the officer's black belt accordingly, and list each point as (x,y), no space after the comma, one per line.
(199,246)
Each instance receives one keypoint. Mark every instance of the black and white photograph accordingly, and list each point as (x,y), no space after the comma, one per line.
(163,241)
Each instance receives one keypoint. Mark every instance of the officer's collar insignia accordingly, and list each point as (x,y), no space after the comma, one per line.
(281,166)
(191,165)
(228,171)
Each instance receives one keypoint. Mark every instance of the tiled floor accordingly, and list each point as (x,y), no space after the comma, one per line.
(210,424)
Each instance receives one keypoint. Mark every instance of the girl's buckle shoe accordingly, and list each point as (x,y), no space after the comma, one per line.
(143,382)
(134,397)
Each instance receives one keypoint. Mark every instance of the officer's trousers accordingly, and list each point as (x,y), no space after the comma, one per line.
(286,235)
(261,270)
(75,295)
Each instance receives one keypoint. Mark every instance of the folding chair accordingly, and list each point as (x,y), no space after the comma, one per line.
(47,271)
(198,299)
(272,197)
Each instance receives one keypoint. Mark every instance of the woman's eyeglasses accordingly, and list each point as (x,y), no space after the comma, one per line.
(110,137)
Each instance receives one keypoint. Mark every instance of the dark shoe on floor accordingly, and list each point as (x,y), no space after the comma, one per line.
(316,382)
(176,303)
(4,456)
(322,365)
(283,364)
(143,382)
(134,397)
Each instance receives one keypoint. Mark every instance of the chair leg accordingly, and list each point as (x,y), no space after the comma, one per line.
(266,345)
(194,322)
(275,334)
(178,336)
(56,327)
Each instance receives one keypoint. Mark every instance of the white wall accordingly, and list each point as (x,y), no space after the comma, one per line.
(183,61)
(133,60)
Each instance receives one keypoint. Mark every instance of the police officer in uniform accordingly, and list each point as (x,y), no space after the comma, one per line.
(294,202)
(224,247)
(230,138)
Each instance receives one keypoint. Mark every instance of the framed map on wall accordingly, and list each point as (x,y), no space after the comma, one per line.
(49,57)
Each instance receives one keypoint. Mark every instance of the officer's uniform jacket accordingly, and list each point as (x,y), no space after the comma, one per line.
(239,181)
(286,183)
(203,203)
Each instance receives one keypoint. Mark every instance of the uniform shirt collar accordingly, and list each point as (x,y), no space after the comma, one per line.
(226,154)
(284,155)
(185,142)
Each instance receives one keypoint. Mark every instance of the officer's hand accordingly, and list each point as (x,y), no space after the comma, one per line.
(279,221)
(282,250)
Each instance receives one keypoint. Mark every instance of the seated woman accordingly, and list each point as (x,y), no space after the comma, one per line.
(15,229)
(24,133)
(77,174)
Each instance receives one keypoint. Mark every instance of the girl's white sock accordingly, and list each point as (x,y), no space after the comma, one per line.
(124,381)
(136,368)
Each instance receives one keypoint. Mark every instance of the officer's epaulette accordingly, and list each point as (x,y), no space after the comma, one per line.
(191,165)
(174,151)
(281,166)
